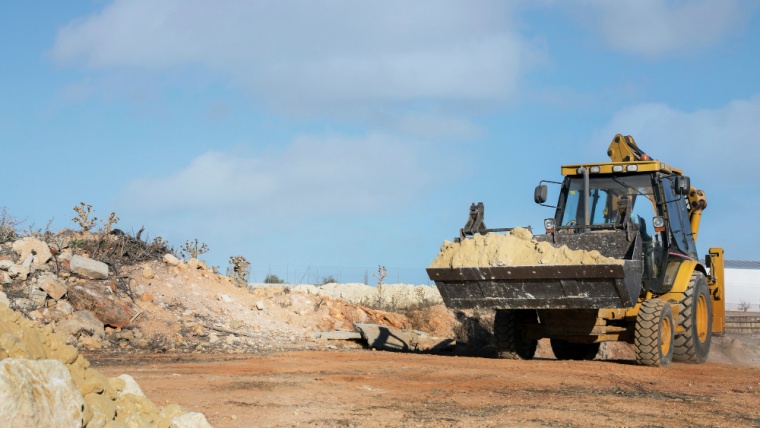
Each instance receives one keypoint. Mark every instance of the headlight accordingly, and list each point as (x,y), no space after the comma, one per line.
(594,169)
(549,225)
(659,224)
(617,168)
(632,168)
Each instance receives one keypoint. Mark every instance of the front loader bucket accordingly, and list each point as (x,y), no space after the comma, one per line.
(549,286)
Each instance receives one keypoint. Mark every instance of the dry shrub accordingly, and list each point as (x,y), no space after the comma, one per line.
(8,227)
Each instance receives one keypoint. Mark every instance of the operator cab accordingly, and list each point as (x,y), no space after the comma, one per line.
(648,200)
(615,202)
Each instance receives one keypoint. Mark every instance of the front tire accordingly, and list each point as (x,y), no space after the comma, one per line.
(510,338)
(695,317)
(653,338)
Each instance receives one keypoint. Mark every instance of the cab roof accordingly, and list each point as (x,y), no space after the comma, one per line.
(602,168)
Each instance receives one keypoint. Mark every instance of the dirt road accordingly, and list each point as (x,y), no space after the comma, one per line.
(367,388)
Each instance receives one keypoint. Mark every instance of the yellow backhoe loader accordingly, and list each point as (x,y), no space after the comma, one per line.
(661,298)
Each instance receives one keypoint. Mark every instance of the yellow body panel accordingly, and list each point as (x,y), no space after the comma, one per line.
(716,284)
(683,277)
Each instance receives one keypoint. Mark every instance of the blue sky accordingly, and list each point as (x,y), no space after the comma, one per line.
(342,135)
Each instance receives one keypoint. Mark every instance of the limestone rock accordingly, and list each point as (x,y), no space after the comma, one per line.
(5,264)
(37,394)
(393,339)
(22,271)
(64,307)
(171,411)
(196,264)
(338,335)
(99,300)
(110,402)
(64,260)
(5,278)
(33,247)
(81,321)
(88,268)
(130,386)
(53,286)
(136,411)
(171,259)
(89,342)
(38,297)
(147,273)
(12,346)
(103,409)
(24,304)
(4,299)
(190,420)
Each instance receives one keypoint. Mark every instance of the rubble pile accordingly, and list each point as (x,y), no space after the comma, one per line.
(515,248)
(56,302)
(45,382)
(171,305)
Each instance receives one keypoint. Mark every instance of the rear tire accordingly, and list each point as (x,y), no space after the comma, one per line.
(695,317)
(509,331)
(653,338)
(564,350)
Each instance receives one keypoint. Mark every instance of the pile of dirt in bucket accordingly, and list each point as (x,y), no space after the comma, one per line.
(516,248)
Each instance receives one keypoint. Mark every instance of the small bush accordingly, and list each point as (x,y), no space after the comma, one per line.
(193,249)
(8,227)
(273,279)
(382,272)
(328,280)
(83,216)
(239,270)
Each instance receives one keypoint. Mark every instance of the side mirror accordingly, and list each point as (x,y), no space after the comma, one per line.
(539,195)
(683,185)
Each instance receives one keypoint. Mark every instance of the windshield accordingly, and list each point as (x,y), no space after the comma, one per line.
(604,193)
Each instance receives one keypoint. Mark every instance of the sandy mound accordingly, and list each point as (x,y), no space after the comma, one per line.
(395,296)
(516,248)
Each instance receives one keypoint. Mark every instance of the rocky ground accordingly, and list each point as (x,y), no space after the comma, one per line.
(142,303)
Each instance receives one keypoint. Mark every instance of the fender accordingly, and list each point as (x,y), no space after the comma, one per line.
(683,277)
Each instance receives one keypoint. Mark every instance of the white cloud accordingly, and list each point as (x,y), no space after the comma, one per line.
(718,149)
(718,145)
(310,56)
(311,178)
(654,28)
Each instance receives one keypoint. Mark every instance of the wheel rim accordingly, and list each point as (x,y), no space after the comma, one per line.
(701,315)
(665,335)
